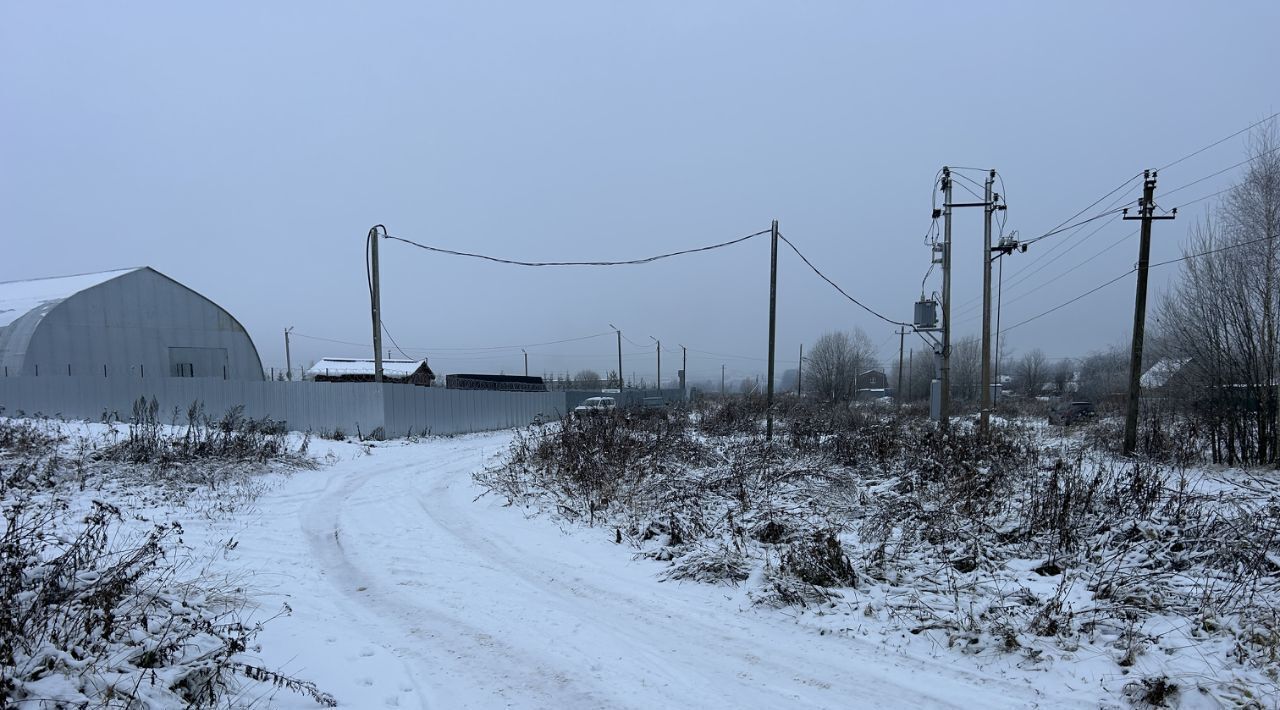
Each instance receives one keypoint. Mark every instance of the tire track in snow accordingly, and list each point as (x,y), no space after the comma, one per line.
(813,678)
(441,646)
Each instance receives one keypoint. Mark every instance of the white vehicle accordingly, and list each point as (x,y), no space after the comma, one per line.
(596,404)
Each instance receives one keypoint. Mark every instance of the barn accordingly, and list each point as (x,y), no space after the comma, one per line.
(134,321)
(354,369)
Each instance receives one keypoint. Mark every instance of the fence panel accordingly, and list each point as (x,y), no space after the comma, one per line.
(301,405)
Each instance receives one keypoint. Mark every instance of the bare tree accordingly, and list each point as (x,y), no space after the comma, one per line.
(966,368)
(588,380)
(917,373)
(1103,375)
(1032,372)
(789,380)
(834,362)
(1220,318)
(1062,373)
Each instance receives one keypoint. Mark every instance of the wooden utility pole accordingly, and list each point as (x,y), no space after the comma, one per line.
(375,303)
(1146,213)
(684,372)
(526,362)
(773,322)
(800,373)
(288,359)
(722,380)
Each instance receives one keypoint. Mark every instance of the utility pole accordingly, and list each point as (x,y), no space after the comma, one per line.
(658,349)
(800,373)
(944,369)
(684,372)
(722,381)
(526,362)
(990,208)
(1147,209)
(619,332)
(773,322)
(902,339)
(375,303)
(288,360)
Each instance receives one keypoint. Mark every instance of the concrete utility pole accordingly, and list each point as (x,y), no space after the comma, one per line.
(722,380)
(773,323)
(526,362)
(1147,209)
(619,332)
(288,360)
(988,210)
(944,368)
(375,303)
(658,349)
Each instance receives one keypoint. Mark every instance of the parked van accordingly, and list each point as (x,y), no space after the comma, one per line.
(593,405)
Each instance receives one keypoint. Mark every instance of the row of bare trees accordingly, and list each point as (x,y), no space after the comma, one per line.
(832,365)
(1219,320)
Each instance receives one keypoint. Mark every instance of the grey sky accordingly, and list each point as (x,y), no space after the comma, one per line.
(246,150)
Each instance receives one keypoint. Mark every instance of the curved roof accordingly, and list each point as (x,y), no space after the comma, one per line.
(18,298)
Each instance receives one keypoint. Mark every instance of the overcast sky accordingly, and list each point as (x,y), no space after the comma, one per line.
(246,149)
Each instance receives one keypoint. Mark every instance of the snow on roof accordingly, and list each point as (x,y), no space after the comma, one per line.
(1158,375)
(18,298)
(364,366)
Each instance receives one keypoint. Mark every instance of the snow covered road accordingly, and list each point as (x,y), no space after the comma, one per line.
(407,591)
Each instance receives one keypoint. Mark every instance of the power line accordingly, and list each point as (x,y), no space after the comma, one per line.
(1219,141)
(393,340)
(1213,251)
(1067,303)
(823,276)
(459,348)
(1062,228)
(1226,169)
(629,262)
(1099,287)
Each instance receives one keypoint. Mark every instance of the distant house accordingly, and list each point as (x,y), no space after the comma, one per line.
(1168,371)
(872,384)
(501,383)
(872,380)
(343,369)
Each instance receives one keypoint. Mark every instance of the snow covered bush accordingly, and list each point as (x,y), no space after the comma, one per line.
(233,437)
(99,607)
(1022,543)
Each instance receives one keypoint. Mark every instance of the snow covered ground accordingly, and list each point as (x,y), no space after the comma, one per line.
(386,577)
(408,591)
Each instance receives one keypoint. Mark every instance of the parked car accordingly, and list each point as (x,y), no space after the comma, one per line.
(1071,412)
(596,405)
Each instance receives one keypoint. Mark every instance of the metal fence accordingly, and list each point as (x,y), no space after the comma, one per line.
(303,406)
(625,398)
